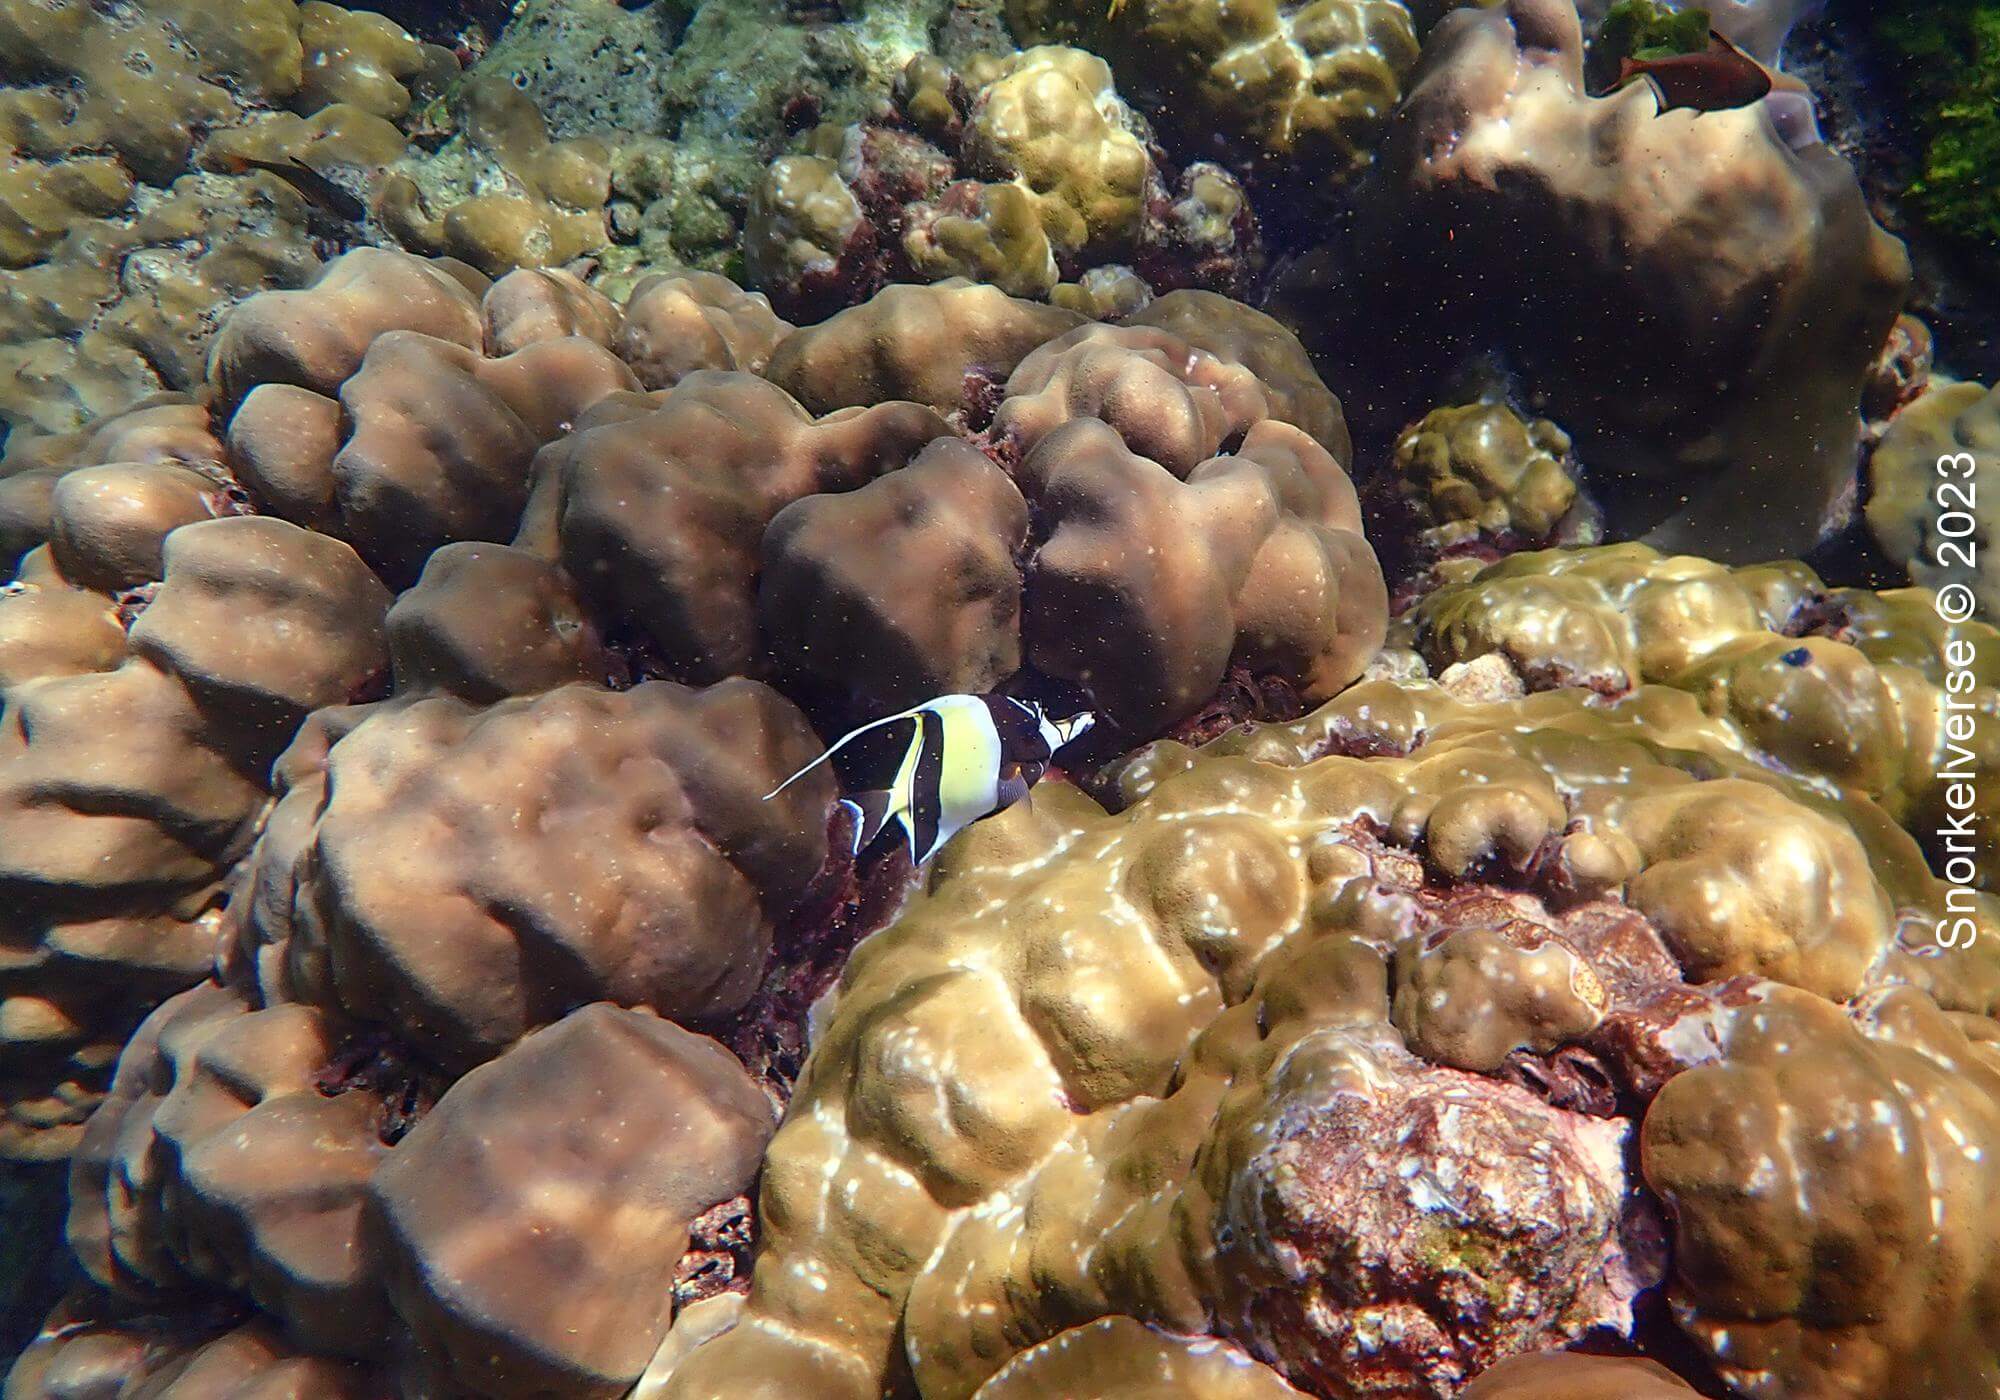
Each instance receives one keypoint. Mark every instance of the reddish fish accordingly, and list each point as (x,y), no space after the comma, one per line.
(1720,77)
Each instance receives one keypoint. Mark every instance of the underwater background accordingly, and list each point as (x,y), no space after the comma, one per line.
(1406,594)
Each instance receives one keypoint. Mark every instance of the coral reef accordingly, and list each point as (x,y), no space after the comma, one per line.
(1696,296)
(1842,685)
(233,1152)
(159,163)
(1155,560)
(392,826)
(1020,173)
(459,479)
(1287,97)
(133,770)
(1339,1058)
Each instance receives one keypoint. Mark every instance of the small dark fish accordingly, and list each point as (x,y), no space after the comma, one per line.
(312,186)
(1797,656)
(966,757)
(1720,77)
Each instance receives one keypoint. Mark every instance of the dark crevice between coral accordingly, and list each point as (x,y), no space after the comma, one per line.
(374,1062)
(847,900)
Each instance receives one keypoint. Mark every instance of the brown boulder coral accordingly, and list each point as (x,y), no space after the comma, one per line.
(315,338)
(1840,684)
(131,772)
(218,1159)
(1205,1063)
(431,439)
(513,1179)
(466,874)
(268,1152)
(947,346)
(116,1354)
(1831,1183)
(1025,172)
(1151,522)
(677,323)
(1722,289)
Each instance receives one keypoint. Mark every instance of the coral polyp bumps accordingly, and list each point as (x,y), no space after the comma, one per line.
(1463,958)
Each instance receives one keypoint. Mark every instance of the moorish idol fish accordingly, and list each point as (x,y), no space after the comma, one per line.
(966,757)
(1719,77)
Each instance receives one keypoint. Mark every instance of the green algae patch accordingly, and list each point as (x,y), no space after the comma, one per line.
(1946,59)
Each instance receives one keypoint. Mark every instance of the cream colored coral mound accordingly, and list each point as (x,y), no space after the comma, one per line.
(1316,1054)
(1293,94)
(1840,685)
(1924,503)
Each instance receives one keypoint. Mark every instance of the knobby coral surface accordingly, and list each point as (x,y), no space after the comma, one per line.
(1387,1068)
(147,179)
(438,859)
(1925,507)
(1288,96)
(1841,685)
(1020,173)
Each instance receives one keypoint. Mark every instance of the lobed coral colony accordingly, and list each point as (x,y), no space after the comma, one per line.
(1510,914)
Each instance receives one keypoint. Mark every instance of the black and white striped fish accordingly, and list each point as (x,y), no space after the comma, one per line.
(966,757)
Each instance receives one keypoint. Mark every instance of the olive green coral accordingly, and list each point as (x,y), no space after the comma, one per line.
(1472,470)
(137,194)
(1925,506)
